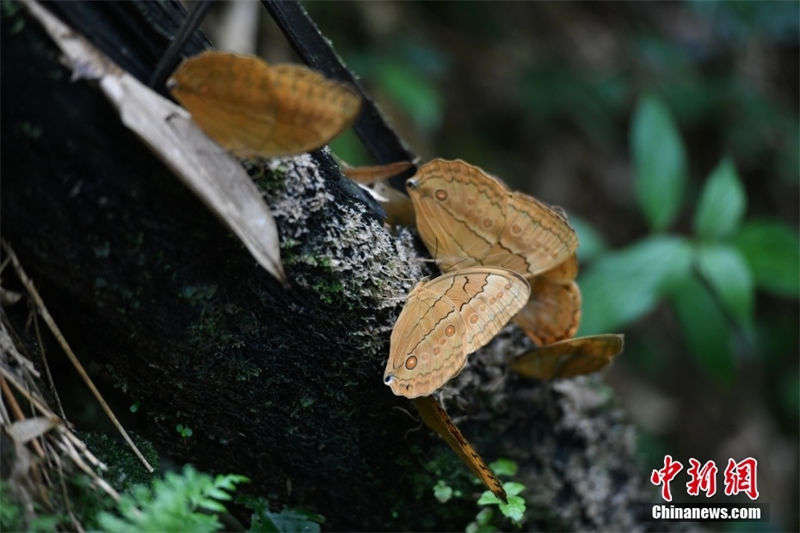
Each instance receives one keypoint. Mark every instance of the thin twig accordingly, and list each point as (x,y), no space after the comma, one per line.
(41,407)
(65,495)
(67,448)
(81,446)
(51,324)
(18,414)
(47,369)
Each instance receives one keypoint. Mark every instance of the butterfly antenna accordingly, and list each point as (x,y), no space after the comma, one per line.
(417,420)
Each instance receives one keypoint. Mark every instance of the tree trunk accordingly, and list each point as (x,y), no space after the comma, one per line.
(281,385)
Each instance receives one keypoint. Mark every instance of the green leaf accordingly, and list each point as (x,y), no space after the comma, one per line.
(728,274)
(442,492)
(211,505)
(297,521)
(772,249)
(482,522)
(659,160)
(514,509)
(288,520)
(722,203)
(474,527)
(504,467)
(704,327)
(591,242)
(484,516)
(623,285)
(488,498)
(513,488)
(218,494)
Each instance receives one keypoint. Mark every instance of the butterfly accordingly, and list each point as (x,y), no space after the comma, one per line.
(568,358)
(466,217)
(257,110)
(446,319)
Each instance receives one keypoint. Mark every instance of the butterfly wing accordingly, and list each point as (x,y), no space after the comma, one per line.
(466,217)
(426,348)
(311,110)
(253,109)
(446,319)
(458,210)
(436,418)
(229,96)
(563,273)
(486,297)
(537,237)
(568,358)
(553,312)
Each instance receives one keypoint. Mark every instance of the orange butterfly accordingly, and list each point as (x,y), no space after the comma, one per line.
(466,217)
(446,319)
(257,110)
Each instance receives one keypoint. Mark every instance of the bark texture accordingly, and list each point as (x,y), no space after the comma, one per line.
(281,385)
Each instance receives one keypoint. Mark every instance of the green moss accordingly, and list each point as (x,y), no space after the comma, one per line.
(306,401)
(330,292)
(246,371)
(287,245)
(267,180)
(124,468)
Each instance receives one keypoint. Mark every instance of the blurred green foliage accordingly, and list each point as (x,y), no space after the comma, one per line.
(709,277)
(659,159)
(179,502)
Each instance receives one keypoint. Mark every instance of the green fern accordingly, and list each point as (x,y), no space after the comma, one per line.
(183,502)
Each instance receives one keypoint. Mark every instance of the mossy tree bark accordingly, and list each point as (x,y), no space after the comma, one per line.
(281,385)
